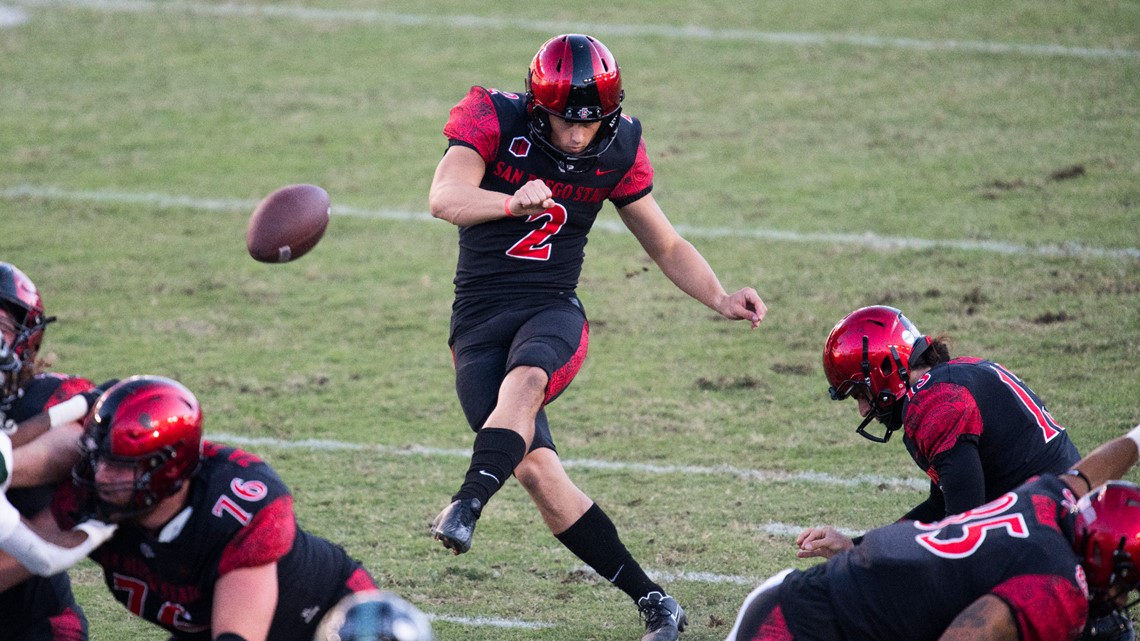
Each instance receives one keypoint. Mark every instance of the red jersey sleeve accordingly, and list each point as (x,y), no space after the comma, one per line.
(1046,607)
(268,537)
(474,123)
(69,387)
(938,416)
(638,180)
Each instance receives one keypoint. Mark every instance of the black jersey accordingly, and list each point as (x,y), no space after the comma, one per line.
(34,601)
(239,514)
(501,259)
(981,401)
(909,580)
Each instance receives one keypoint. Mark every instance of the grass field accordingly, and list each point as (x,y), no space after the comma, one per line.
(977,165)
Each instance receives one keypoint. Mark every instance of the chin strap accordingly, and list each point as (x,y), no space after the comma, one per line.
(885,406)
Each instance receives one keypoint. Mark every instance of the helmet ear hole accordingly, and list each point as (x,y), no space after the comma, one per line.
(885,367)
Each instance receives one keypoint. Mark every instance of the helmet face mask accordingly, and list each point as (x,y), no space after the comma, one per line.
(141,443)
(866,356)
(574,77)
(1107,540)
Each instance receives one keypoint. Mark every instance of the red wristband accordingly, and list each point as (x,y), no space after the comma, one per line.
(507,207)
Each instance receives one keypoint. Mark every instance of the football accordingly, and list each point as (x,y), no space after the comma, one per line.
(287,223)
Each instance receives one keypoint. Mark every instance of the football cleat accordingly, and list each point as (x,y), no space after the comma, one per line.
(664,617)
(455,525)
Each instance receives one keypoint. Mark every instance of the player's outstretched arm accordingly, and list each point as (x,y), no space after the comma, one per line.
(1108,462)
(681,263)
(49,458)
(38,556)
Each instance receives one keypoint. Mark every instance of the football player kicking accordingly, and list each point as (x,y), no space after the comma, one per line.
(524,178)
(207,546)
(1032,565)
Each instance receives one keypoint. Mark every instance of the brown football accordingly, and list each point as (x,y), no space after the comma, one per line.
(287,223)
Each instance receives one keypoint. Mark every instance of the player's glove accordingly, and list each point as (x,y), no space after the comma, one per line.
(1114,626)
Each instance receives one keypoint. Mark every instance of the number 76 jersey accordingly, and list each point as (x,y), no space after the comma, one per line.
(239,514)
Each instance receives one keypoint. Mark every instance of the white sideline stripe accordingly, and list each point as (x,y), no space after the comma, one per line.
(11,17)
(590,464)
(688,32)
(867,239)
(771,528)
(775,528)
(491,622)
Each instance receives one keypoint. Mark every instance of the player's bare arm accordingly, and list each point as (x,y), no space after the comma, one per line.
(49,458)
(987,619)
(685,266)
(456,197)
(1107,462)
(244,602)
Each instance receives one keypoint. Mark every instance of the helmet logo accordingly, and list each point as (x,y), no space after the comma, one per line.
(519,147)
(908,336)
(145,420)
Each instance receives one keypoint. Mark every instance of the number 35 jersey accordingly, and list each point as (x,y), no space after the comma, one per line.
(910,579)
(239,514)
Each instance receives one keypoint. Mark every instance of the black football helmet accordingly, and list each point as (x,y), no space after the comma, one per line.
(374,616)
(576,78)
(867,353)
(20,298)
(150,423)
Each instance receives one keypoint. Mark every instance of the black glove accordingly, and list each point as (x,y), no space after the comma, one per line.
(1114,626)
(93,394)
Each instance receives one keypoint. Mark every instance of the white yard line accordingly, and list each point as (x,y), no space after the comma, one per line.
(591,464)
(687,32)
(866,239)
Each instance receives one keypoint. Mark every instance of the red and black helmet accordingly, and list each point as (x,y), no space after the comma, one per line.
(1107,540)
(20,298)
(867,353)
(150,423)
(576,78)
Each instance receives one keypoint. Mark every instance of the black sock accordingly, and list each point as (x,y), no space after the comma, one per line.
(594,539)
(495,455)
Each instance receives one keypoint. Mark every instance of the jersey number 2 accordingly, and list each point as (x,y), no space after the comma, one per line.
(536,244)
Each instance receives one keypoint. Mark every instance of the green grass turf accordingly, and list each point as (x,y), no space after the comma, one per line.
(108,116)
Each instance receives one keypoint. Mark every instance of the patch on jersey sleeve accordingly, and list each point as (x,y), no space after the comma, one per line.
(267,538)
(474,123)
(939,416)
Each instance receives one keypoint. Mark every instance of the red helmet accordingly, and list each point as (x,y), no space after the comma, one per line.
(867,354)
(1107,539)
(20,298)
(576,78)
(151,423)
